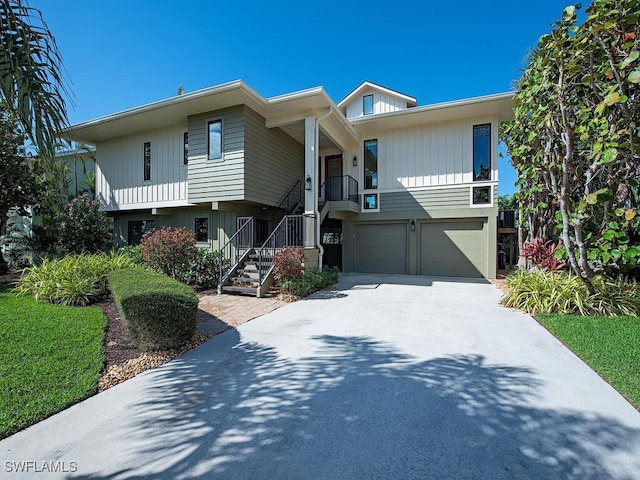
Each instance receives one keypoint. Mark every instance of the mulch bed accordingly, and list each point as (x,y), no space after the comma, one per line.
(123,360)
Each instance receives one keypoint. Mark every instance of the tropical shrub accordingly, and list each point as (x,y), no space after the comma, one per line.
(83,228)
(72,280)
(288,264)
(204,269)
(310,281)
(170,251)
(133,252)
(540,291)
(159,312)
(541,254)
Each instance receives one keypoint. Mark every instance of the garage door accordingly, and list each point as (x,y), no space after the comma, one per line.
(454,249)
(381,248)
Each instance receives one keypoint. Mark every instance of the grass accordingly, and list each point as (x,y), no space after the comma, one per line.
(50,358)
(609,345)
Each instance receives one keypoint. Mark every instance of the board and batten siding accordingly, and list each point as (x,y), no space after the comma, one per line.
(382,103)
(120,183)
(220,179)
(273,163)
(430,155)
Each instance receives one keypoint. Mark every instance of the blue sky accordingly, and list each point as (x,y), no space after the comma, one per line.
(120,54)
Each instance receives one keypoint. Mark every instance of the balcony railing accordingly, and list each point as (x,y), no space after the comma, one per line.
(507,219)
(340,188)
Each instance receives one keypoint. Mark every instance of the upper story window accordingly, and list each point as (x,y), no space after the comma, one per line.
(215,139)
(482,152)
(147,161)
(371,164)
(185,148)
(367,104)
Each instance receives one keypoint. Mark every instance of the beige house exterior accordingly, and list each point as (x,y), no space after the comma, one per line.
(384,185)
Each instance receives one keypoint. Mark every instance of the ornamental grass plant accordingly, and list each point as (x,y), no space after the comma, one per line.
(541,291)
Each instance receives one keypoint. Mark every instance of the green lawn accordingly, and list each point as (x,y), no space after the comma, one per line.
(50,358)
(611,346)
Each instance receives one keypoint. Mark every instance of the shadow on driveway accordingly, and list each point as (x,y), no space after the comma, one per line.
(358,409)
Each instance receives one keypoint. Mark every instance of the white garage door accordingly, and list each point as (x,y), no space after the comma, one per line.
(381,248)
(454,249)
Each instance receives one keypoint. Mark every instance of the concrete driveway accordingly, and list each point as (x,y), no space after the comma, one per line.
(382,377)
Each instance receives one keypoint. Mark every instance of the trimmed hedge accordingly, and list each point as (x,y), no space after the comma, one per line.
(160,313)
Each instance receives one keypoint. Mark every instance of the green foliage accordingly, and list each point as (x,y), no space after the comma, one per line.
(72,280)
(204,269)
(18,185)
(159,312)
(83,227)
(50,358)
(574,136)
(288,264)
(32,81)
(133,252)
(507,202)
(170,251)
(310,281)
(611,346)
(540,291)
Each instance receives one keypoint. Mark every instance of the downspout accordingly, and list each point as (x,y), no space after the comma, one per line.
(315,200)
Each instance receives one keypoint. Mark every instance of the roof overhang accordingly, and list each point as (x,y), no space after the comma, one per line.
(279,111)
(499,104)
(165,113)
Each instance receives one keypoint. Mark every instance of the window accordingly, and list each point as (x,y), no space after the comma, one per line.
(482,152)
(215,139)
(367,104)
(147,161)
(137,229)
(371,202)
(185,148)
(481,196)
(370,164)
(202,229)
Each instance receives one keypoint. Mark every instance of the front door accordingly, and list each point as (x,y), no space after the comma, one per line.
(333,177)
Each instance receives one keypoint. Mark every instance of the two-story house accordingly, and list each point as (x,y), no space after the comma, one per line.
(380,184)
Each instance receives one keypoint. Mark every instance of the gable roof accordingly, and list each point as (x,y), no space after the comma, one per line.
(366,85)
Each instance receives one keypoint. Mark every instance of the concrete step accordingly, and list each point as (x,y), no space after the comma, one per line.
(237,289)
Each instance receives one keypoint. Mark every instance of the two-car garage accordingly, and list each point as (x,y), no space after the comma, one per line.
(455,248)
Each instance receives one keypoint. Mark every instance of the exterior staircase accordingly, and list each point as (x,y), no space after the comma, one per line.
(246,268)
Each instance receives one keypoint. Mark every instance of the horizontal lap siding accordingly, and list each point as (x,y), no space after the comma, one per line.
(222,179)
(120,180)
(441,198)
(274,161)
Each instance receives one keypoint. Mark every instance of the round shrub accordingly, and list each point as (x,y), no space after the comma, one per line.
(288,264)
(159,313)
(170,251)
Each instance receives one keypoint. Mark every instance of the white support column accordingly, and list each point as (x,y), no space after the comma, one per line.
(310,171)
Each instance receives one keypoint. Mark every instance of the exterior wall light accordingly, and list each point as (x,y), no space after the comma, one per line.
(307,183)
(412,227)
(355,161)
